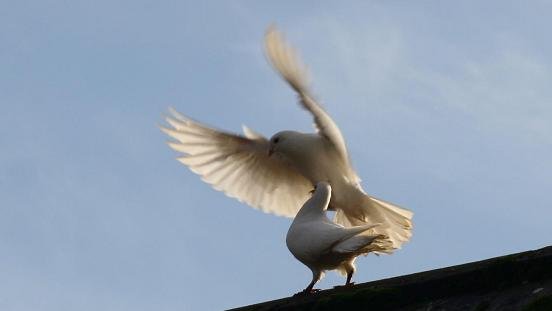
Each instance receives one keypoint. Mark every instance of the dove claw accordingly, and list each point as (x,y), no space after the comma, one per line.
(307,292)
(350,284)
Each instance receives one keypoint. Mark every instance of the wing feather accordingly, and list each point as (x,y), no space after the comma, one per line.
(238,165)
(288,64)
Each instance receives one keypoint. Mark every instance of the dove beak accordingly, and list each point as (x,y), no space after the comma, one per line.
(270,151)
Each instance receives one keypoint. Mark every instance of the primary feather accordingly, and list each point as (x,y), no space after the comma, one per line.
(239,166)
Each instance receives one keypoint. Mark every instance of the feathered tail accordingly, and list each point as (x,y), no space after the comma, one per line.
(362,244)
(396,222)
(365,243)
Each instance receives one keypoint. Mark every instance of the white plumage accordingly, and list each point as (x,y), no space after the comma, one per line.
(276,175)
(322,245)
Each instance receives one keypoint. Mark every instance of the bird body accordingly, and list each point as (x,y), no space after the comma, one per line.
(313,157)
(276,174)
(322,245)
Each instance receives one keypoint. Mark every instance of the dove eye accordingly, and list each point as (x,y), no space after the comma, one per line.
(276,140)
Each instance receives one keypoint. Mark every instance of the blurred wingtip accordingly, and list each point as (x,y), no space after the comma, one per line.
(272,38)
(272,28)
(172,110)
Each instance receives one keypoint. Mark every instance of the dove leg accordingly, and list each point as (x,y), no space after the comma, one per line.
(350,268)
(349,277)
(316,275)
(309,288)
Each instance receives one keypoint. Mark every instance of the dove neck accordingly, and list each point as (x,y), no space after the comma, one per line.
(317,204)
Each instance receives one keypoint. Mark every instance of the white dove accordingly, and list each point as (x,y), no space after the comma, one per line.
(321,244)
(276,175)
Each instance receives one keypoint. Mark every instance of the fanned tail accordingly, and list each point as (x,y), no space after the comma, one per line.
(396,221)
(363,244)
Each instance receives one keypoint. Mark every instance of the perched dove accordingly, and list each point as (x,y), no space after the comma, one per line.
(321,244)
(276,175)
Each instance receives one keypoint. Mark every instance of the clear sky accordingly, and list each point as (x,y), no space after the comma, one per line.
(446,108)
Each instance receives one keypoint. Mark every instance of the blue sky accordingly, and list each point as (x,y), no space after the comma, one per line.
(446,108)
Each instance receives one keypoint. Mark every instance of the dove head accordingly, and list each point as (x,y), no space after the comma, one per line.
(283,143)
(316,206)
(322,194)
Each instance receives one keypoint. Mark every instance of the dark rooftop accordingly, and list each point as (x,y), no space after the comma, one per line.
(521,281)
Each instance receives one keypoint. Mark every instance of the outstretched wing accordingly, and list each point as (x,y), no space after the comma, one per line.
(238,165)
(288,64)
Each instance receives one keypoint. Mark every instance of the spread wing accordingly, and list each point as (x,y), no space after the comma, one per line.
(238,165)
(288,64)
